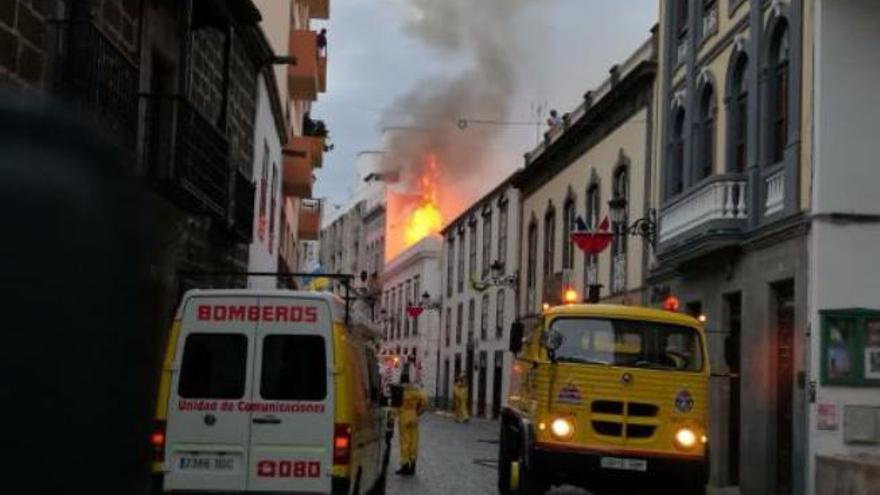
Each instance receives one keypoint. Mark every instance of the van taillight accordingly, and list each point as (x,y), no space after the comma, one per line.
(341,444)
(157,441)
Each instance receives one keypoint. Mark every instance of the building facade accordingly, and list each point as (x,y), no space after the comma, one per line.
(412,338)
(479,271)
(844,342)
(300,70)
(732,191)
(269,137)
(175,85)
(600,152)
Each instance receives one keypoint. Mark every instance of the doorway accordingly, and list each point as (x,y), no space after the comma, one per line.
(497,382)
(445,395)
(481,385)
(783,297)
(469,373)
(733,356)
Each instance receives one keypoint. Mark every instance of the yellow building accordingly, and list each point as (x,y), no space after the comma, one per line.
(599,152)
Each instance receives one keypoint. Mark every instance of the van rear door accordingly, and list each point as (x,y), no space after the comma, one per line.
(291,443)
(207,428)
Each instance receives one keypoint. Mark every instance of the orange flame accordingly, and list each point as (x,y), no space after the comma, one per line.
(426,219)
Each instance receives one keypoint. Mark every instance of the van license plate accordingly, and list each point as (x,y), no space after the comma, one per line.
(221,463)
(624,464)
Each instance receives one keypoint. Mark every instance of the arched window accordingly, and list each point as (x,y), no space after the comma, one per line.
(706,133)
(591,261)
(676,155)
(779,78)
(568,214)
(619,190)
(738,114)
(549,242)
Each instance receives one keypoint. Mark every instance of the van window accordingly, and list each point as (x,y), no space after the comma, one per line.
(294,368)
(214,366)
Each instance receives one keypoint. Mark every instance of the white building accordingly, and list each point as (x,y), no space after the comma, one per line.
(476,320)
(844,417)
(269,136)
(407,277)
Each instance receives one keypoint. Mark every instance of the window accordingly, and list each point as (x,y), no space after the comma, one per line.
(214,366)
(619,190)
(407,302)
(532,264)
(850,347)
(706,133)
(484,318)
(472,316)
(264,180)
(630,343)
(676,155)
(499,315)
(779,93)
(392,312)
(472,250)
(549,242)
(739,111)
(461,262)
(272,206)
(294,368)
(487,243)
(502,232)
(450,263)
(416,299)
(399,314)
(568,214)
(591,261)
(459,317)
(681,17)
(448,325)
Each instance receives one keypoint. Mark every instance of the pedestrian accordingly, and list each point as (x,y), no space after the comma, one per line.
(412,405)
(459,400)
(553,120)
(322,43)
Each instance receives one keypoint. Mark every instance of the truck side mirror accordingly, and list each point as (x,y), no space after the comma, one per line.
(516,337)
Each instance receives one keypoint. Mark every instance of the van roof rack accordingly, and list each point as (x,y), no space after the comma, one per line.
(344,278)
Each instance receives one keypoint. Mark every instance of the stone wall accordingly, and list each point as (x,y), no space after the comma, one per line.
(22,43)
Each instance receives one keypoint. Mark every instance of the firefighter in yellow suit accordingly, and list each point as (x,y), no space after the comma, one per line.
(459,400)
(412,406)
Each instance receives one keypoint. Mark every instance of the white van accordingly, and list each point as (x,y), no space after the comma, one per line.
(269,391)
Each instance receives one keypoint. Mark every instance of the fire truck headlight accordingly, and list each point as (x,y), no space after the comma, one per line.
(685,438)
(562,429)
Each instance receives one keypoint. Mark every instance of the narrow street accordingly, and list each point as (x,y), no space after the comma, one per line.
(454,459)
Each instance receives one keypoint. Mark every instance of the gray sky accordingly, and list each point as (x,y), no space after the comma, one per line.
(373,63)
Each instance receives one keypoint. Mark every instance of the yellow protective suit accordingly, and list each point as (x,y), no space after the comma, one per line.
(460,401)
(414,403)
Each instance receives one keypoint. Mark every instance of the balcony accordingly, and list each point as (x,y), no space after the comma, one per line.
(310,220)
(297,179)
(186,157)
(95,75)
(319,9)
(308,76)
(716,206)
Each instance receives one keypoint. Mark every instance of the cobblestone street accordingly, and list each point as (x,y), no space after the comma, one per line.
(454,459)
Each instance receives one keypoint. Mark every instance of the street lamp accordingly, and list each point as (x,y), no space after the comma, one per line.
(645,227)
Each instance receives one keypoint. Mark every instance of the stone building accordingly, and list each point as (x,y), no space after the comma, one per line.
(476,317)
(174,84)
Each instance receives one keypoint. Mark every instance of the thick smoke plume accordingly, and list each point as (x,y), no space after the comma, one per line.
(487,34)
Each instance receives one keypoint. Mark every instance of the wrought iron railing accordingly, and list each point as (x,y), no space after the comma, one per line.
(98,77)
